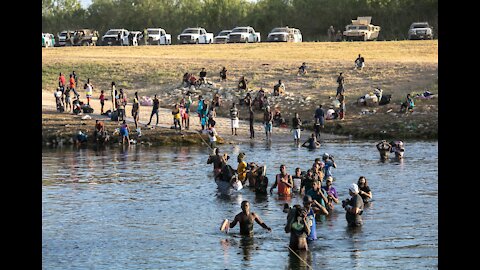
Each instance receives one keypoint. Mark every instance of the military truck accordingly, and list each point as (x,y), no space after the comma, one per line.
(361,29)
(84,37)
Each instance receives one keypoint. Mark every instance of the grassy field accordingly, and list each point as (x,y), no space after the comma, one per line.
(398,67)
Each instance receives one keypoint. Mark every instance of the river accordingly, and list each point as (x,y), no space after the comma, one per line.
(159,208)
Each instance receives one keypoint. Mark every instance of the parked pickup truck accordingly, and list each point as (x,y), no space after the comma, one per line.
(285,34)
(420,30)
(195,35)
(158,36)
(361,29)
(115,37)
(222,37)
(84,37)
(64,38)
(243,34)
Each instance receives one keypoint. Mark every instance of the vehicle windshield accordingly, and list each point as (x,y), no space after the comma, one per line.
(224,33)
(190,31)
(112,32)
(279,30)
(420,25)
(78,33)
(153,32)
(351,27)
(363,27)
(63,34)
(240,30)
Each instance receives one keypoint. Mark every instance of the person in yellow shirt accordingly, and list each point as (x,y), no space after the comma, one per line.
(242,168)
(176,117)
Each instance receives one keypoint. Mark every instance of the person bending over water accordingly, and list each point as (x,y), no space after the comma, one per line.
(246,218)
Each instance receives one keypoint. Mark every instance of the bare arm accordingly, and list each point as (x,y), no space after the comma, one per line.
(368,194)
(261,223)
(234,222)
(318,208)
(274,185)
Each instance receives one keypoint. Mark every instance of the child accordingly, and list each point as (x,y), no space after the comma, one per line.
(124,130)
(184,115)
(212,133)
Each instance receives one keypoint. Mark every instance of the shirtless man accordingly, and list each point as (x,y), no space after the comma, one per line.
(246,218)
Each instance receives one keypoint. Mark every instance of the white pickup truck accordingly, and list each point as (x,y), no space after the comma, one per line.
(195,35)
(158,36)
(243,34)
(115,37)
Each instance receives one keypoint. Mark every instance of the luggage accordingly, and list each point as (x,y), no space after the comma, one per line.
(114,116)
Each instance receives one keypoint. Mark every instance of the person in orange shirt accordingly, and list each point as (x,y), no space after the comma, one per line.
(72,86)
(284,182)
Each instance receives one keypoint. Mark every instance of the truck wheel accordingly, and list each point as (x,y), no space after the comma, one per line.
(85,43)
(246,40)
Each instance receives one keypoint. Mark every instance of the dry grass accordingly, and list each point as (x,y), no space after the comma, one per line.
(398,67)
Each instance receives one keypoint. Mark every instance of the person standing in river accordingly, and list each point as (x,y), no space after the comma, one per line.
(353,207)
(246,218)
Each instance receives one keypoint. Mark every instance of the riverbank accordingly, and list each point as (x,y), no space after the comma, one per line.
(61,128)
(397,67)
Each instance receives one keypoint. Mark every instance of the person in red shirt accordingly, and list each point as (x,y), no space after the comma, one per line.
(61,80)
(102,101)
(284,182)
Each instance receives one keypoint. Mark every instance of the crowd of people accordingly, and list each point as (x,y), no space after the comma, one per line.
(314,186)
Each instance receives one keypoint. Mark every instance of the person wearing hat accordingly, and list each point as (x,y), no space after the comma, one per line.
(353,207)
(332,195)
(329,164)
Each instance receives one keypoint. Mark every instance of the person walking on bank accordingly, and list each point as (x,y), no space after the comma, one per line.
(331,33)
(234,118)
(112,96)
(341,84)
(72,85)
(136,110)
(319,121)
(268,122)
(156,105)
(102,101)
(223,74)
(296,126)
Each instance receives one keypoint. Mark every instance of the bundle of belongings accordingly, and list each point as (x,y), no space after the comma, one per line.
(374,98)
(425,95)
(146,101)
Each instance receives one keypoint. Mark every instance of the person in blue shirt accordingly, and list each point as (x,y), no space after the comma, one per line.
(311,208)
(329,164)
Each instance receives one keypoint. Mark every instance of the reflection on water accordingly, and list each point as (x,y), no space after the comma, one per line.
(158,208)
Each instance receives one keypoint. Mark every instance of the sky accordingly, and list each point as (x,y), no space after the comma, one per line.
(85,3)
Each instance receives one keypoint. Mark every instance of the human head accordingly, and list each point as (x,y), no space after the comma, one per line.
(283,168)
(298,171)
(279,81)
(155,96)
(60,74)
(240,157)
(341,73)
(320,106)
(113,83)
(124,121)
(200,97)
(233,105)
(267,108)
(136,94)
(101,91)
(245,206)
(316,185)
(216,151)
(307,200)
(353,189)
(96,121)
(362,181)
(329,181)
(296,115)
(313,135)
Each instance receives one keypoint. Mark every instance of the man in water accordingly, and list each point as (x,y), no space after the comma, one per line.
(217,162)
(311,143)
(246,218)
(384,148)
(353,207)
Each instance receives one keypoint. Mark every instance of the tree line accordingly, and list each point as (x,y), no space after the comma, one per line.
(312,17)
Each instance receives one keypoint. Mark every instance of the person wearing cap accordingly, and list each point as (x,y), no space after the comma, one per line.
(246,218)
(364,189)
(329,164)
(284,182)
(353,207)
(332,195)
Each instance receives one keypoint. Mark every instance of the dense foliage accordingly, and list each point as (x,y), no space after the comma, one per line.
(312,17)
